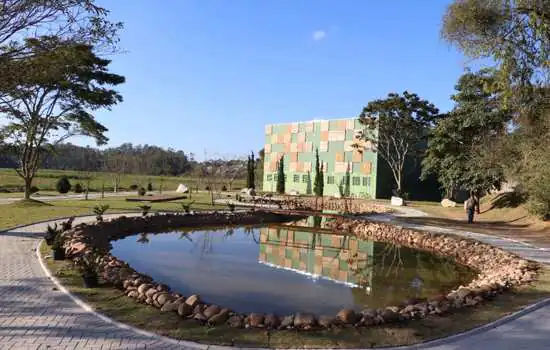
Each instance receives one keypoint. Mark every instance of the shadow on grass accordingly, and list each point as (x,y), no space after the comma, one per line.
(509,200)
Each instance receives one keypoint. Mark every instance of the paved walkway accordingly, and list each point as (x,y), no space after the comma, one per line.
(35,315)
(60,197)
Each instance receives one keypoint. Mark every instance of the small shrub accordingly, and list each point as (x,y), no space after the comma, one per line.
(134,187)
(67,225)
(207,188)
(78,188)
(34,189)
(99,210)
(51,234)
(58,247)
(224,188)
(144,209)
(63,185)
(141,191)
(231,207)
(149,186)
(88,265)
(187,207)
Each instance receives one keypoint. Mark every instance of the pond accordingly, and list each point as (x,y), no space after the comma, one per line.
(287,268)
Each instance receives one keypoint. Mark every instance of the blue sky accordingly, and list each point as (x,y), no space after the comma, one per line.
(209,74)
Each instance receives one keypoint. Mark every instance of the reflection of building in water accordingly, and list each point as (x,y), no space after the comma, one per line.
(342,259)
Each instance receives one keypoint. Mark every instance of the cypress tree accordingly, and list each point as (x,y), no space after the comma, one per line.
(250,167)
(281,176)
(318,185)
(321,182)
(347,183)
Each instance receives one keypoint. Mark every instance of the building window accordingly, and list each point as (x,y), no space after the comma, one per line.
(275,177)
(356,181)
(366,182)
(296,178)
(330,180)
(305,178)
(269,177)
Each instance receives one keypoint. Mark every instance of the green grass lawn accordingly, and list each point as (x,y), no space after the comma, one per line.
(27,212)
(46,179)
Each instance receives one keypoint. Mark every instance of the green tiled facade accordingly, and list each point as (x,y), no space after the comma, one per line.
(297,142)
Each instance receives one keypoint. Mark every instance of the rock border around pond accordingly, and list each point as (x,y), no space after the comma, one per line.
(498,271)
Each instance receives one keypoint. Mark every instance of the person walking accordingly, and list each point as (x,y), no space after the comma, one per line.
(471,206)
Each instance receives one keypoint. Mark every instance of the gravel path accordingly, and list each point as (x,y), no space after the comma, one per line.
(34,314)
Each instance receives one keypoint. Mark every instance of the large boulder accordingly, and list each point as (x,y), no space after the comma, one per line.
(248,191)
(447,203)
(397,201)
(182,189)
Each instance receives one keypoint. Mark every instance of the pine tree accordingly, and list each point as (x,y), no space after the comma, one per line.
(281,177)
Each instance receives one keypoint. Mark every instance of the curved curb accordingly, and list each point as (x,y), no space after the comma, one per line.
(104,318)
(437,342)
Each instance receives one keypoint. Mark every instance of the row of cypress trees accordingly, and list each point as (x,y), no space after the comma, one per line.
(318,185)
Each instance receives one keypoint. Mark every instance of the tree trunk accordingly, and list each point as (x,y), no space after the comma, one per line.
(28,185)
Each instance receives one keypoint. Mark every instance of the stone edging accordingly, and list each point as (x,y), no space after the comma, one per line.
(432,343)
(489,260)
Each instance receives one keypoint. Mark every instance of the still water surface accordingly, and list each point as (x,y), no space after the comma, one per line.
(289,268)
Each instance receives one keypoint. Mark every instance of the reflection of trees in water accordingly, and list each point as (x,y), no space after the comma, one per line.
(252,232)
(143,238)
(399,273)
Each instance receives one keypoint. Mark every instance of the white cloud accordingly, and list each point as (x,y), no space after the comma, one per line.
(319,35)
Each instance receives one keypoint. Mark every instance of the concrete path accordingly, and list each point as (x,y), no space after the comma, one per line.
(92,195)
(35,315)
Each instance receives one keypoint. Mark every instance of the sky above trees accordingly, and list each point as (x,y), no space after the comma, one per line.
(209,74)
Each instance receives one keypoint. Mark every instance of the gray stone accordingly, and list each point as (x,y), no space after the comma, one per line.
(150,292)
(389,316)
(184,310)
(325,321)
(211,311)
(447,203)
(193,300)
(218,319)
(287,321)
(162,298)
(302,320)
(272,321)
(144,287)
(235,321)
(347,316)
(255,320)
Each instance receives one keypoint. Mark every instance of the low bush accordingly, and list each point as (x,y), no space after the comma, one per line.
(144,209)
(134,187)
(141,191)
(78,188)
(63,185)
(99,210)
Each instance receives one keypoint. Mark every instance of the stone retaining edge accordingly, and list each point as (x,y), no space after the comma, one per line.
(436,342)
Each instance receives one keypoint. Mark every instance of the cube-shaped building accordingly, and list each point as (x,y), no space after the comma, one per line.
(337,141)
